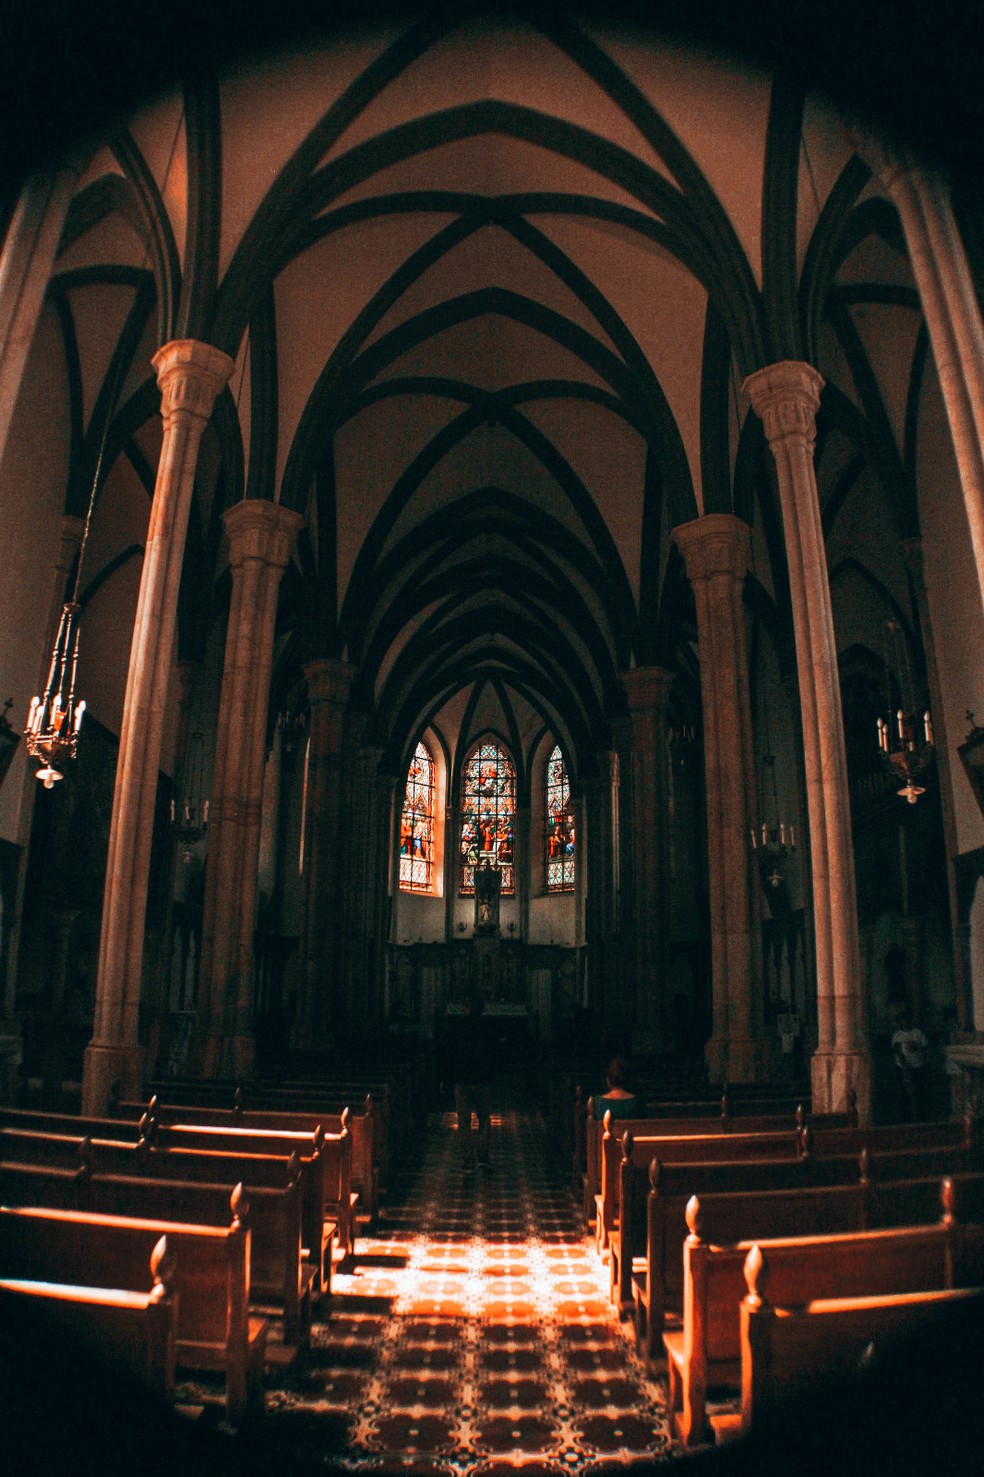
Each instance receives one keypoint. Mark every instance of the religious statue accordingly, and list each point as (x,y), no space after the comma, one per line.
(488,885)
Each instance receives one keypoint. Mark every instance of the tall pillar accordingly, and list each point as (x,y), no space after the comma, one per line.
(190,375)
(386,793)
(648,691)
(328,682)
(260,535)
(28,254)
(716,551)
(787,396)
(953,316)
(601,808)
(360,883)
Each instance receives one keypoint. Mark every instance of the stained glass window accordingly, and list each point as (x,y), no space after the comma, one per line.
(558,841)
(488,815)
(417,824)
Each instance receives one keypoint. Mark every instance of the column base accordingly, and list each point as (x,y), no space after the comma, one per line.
(738,1059)
(834,1074)
(102,1067)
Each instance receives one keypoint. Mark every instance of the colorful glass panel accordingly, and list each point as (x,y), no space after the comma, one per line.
(488,815)
(417,825)
(558,846)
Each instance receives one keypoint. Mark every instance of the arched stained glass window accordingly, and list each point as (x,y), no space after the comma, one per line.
(488,814)
(417,824)
(558,840)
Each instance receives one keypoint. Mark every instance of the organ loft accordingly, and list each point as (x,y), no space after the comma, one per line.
(493,548)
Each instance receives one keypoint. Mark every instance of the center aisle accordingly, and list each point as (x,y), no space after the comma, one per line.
(474,1334)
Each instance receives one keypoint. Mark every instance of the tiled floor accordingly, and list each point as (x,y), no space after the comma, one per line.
(474,1334)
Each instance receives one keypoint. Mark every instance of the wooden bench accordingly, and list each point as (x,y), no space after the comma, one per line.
(333,1150)
(361,1127)
(784,1349)
(214,1167)
(281,1278)
(776,1143)
(215,1329)
(651,1263)
(133,1333)
(706,1351)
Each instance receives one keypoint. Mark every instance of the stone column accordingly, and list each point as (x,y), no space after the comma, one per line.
(260,535)
(716,551)
(522,861)
(28,254)
(360,882)
(190,375)
(328,682)
(600,804)
(953,317)
(387,791)
(648,690)
(787,397)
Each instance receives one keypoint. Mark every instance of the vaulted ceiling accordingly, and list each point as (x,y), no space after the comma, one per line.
(492,291)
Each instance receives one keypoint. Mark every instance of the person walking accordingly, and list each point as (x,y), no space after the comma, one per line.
(473,1071)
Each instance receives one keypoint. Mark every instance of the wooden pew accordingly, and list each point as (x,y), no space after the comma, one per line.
(334,1150)
(134,1333)
(707,1350)
(215,1328)
(776,1143)
(785,1349)
(732,1194)
(362,1127)
(255,1171)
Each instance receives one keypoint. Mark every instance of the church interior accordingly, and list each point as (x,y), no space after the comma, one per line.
(493,518)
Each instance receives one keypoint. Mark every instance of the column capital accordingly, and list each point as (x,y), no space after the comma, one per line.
(367,760)
(718,543)
(329,680)
(258,529)
(191,375)
(786,396)
(647,688)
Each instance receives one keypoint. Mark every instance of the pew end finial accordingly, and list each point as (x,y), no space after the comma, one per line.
(948,1200)
(852,1105)
(800,1118)
(238,1101)
(694,1217)
(345,1116)
(628,1144)
(163,1263)
(806,1142)
(85,1155)
(153,1107)
(293,1168)
(239,1205)
(725,1108)
(756,1271)
(655,1171)
(607,1120)
(864,1166)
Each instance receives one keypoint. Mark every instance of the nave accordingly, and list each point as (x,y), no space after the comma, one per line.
(472,1334)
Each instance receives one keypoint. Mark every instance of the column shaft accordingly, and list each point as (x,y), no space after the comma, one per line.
(648,690)
(716,551)
(787,397)
(328,682)
(260,537)
(190,375)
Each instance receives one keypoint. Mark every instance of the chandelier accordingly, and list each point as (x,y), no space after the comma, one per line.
(905,736)
(54,718)
(190,822)
(772,840)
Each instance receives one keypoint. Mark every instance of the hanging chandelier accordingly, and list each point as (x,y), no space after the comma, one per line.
(905,735)
(772,840)
(190,821)
(54,718)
